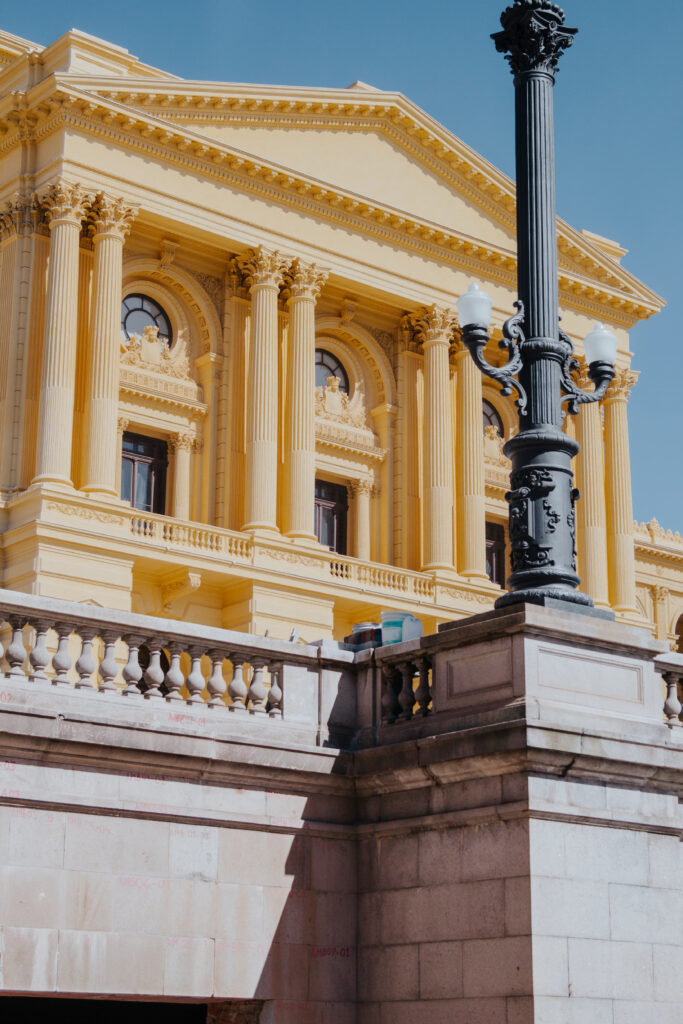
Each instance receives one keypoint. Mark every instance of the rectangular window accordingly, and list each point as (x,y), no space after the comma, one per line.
(144,461)
(495,553)
(331,507)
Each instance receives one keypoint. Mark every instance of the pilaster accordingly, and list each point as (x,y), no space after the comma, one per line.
(181,445)
(362,490)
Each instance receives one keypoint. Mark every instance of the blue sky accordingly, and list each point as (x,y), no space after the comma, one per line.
(619,128)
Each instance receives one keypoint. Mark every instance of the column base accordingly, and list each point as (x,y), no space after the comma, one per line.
(101,492)
(574,602)
(308,540)
(261,529)
(61,482)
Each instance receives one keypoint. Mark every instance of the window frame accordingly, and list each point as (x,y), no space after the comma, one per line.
(157,458)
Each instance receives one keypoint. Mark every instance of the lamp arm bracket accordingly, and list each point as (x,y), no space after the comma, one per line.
(476,339)
(600,373)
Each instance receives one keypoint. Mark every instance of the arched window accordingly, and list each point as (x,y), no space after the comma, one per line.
(139,312)
(327,365)
(491,417)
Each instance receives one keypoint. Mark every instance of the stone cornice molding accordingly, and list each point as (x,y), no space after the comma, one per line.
(430,324)
(65,203)
(263,267)
(611,285)
(111,216)
(304,280)
(620,387)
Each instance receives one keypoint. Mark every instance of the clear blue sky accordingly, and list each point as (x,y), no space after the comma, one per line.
(619,118)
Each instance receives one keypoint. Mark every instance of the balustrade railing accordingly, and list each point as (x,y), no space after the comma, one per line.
(406,687)
(53,644)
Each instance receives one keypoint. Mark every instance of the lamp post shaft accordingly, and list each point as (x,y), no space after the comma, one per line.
(542,494)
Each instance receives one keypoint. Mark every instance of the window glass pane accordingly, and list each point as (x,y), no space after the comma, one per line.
(327,523)
(138,312)
(327,365)
(126,479)
(143,487)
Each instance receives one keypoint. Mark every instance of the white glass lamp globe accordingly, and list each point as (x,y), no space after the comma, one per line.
(600,345)
(474,307)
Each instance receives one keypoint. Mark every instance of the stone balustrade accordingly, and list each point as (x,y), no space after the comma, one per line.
(325,693)
(51,644)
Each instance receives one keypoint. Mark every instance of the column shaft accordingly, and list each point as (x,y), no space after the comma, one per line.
(305,283)
(591,509)
(102,392)
(470,494)
(620,550)
(65,207)
(438,480)
(264,270)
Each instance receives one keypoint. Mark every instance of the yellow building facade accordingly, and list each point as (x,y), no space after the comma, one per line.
(233,389)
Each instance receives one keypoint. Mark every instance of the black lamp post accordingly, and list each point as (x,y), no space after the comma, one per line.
(541,356)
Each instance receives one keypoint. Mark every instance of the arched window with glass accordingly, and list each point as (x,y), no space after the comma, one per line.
(327,365)
(139,312)
(491,418)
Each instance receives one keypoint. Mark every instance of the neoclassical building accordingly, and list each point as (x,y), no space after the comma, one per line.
(232,387)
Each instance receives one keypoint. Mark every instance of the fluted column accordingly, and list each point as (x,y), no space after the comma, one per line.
(122,425)
(361,490)
(181,446)
(264,272)
(620,550)
(433,327)
(64,209)
(591,509)
(469,466)
(112,223)
(304,282)
(383,417)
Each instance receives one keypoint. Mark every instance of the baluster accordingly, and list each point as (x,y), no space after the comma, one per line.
(275,692)
(174,677)
(390,683)
(39,656)
(132,673)
(406,697)
(195,680)
(672,705)
(61,659)
(108,669)
(216,683)
(257,691)
(237,691)
(423,694)
(154,673)
(85,666)
(16,652)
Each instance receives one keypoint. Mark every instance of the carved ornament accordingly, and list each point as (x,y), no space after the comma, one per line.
(65,202)
(111,217)
(305,280)
(20,216)
(431,323)
(136,352)
(534,36)
(620,388)
(333,404)
(186,442)
(167,255)
(263,267)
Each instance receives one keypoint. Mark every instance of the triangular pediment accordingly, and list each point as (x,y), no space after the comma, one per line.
(369,152)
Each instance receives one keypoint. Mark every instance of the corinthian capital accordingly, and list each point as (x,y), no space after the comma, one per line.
(305,280)
(620,387)
(534,36)
(112,216)
(19,216)
(263,267)
(431,323)
(65,202)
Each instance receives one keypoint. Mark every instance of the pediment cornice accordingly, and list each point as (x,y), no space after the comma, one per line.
(58,103)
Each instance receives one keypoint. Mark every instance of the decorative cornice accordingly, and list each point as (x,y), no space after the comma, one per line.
(534,36)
